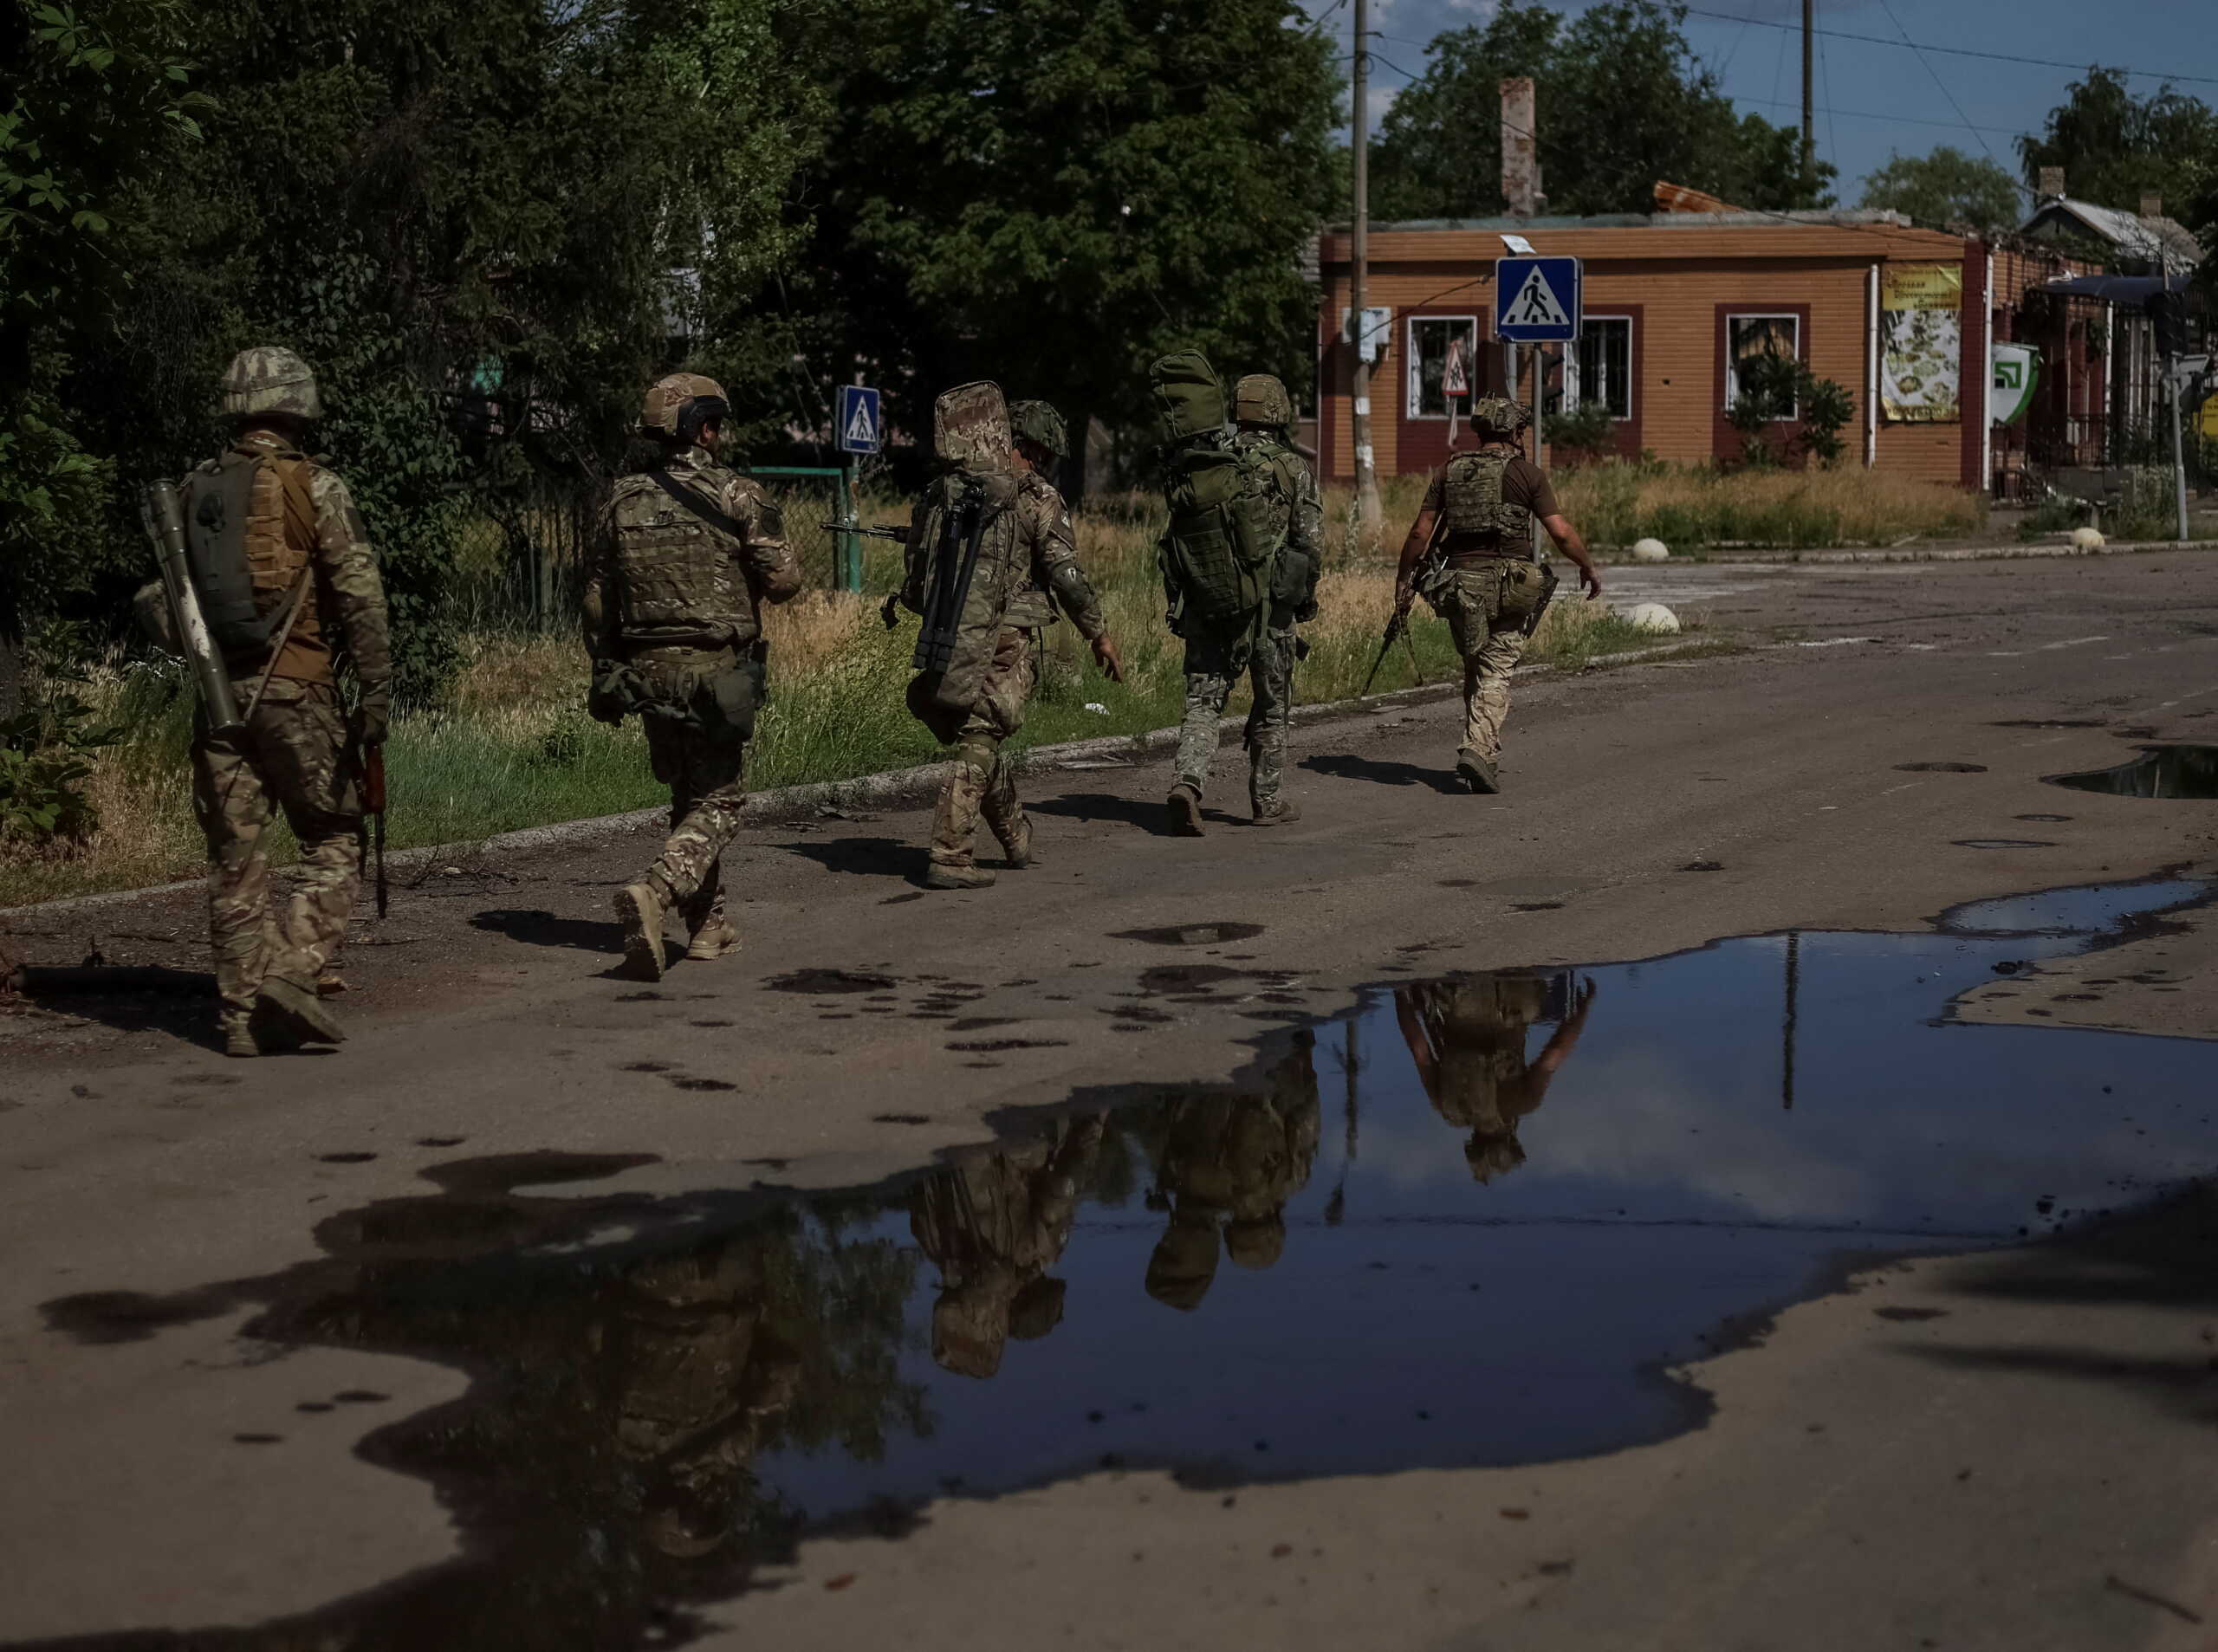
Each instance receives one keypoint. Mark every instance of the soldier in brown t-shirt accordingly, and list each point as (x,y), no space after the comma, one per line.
(1481,576)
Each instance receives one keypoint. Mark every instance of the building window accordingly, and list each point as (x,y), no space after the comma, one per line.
(1444,359)
(1601,365)
(1749,336)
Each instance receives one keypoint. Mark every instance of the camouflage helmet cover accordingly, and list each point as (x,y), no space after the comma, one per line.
(1038,422)
(269,378)
(971,425)
(669,397)
(1260,398)
(1499,414)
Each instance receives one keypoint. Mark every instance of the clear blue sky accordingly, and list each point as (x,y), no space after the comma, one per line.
(1871,99)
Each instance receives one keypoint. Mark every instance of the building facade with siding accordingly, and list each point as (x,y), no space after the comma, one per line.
(1672,301)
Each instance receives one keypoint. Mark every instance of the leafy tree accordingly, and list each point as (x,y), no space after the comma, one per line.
(2114,148)
(485,223)
(1054,191)
(1623,102)
(86,107)
(1776,389)
(1948,187)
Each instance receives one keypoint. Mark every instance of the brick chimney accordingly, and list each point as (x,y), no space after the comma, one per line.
(2152,206)
(2051,184)
(1520,149)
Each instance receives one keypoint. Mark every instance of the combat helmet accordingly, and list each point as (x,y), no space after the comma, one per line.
(970,426)
(1500,415)
(679,403)
(1038,422)
(1260,398)
(269,378)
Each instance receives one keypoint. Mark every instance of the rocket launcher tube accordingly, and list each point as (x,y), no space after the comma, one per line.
(164,513)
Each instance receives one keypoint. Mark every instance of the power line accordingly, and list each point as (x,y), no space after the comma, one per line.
(1962,51)
(1919,53)
(1891,119)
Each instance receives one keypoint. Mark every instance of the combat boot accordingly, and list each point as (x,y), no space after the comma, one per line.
(1277,811)
(639,910)
(949,875)
(1476,773)
(1184,807)
(296,1009)
(1017,845)
(713,940)
(237,1027)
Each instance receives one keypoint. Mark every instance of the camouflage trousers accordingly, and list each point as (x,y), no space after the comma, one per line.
(706,774)
(982,781)
(1213,667)
(293,758)
(1491,645)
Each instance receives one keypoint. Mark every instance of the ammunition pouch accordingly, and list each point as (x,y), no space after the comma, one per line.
(1524,589)
(719,697)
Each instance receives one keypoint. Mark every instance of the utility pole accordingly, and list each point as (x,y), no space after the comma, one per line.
(1367,472)
(1809,126)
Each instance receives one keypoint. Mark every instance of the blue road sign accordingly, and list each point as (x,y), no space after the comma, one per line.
(860,431)
(1536,300)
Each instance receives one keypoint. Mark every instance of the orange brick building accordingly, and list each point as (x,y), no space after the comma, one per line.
(1672,301)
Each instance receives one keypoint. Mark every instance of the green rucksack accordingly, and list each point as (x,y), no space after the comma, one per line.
(1220,545)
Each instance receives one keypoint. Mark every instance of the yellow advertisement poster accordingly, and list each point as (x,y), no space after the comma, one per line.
(1922,343)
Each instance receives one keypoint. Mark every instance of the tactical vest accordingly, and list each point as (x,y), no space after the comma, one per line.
(250,532)
(681,562)
(1472,502)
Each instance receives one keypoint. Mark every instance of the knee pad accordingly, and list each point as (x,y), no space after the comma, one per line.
(978,754)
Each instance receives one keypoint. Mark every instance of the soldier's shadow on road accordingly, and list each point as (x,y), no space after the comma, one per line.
(1088,807)
(864,857)
(546,930)
(1343,766)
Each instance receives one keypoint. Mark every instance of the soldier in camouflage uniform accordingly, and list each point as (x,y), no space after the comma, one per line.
(286,528)
(1467,1038)
(995,1225)
(1228,1166)
(1263,417)
(1034,565)
(688,551)
(1482,578)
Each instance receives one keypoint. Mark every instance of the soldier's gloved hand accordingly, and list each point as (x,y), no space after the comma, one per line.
(1170,622)
(374,716)
(1306,612)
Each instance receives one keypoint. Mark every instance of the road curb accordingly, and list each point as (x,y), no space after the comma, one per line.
(891,789)
(1936,554)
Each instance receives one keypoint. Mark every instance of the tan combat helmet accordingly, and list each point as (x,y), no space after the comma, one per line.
(677,404)
(1038,422)
(971,425)
(1260,398)
(269,378)
(1500,415)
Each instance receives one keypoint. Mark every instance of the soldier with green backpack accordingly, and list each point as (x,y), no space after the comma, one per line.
(1470,553)
(990,562)
(1239,561)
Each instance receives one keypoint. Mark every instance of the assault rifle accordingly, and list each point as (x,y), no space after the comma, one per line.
(1397,628)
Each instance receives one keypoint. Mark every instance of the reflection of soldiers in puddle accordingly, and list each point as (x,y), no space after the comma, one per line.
(995,1225)
(1228,1165)
(697,1377)
(1468,1040)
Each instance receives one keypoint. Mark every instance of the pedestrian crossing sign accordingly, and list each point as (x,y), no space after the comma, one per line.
(1536,300)
(859,428)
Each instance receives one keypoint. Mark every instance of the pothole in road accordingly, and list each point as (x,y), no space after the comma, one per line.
(815,982)
(1942,768)
(1191,935)
(2159,771)
(2002,842)
(1481,1217)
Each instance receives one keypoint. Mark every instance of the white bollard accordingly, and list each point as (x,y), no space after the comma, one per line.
(1650,550)
(2086,539)
(1654,618)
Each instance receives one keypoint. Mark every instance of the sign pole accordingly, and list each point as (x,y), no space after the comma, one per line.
(847,562)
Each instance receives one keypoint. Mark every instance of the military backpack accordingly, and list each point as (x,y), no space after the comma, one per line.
(245,558)
(1220,546)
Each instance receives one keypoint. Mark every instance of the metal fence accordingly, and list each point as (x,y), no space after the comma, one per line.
(521,549)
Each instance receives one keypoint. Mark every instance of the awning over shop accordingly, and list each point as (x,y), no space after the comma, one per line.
(2114,290)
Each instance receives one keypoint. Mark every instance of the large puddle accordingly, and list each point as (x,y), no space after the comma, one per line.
(1469,1222)
(2159,771)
